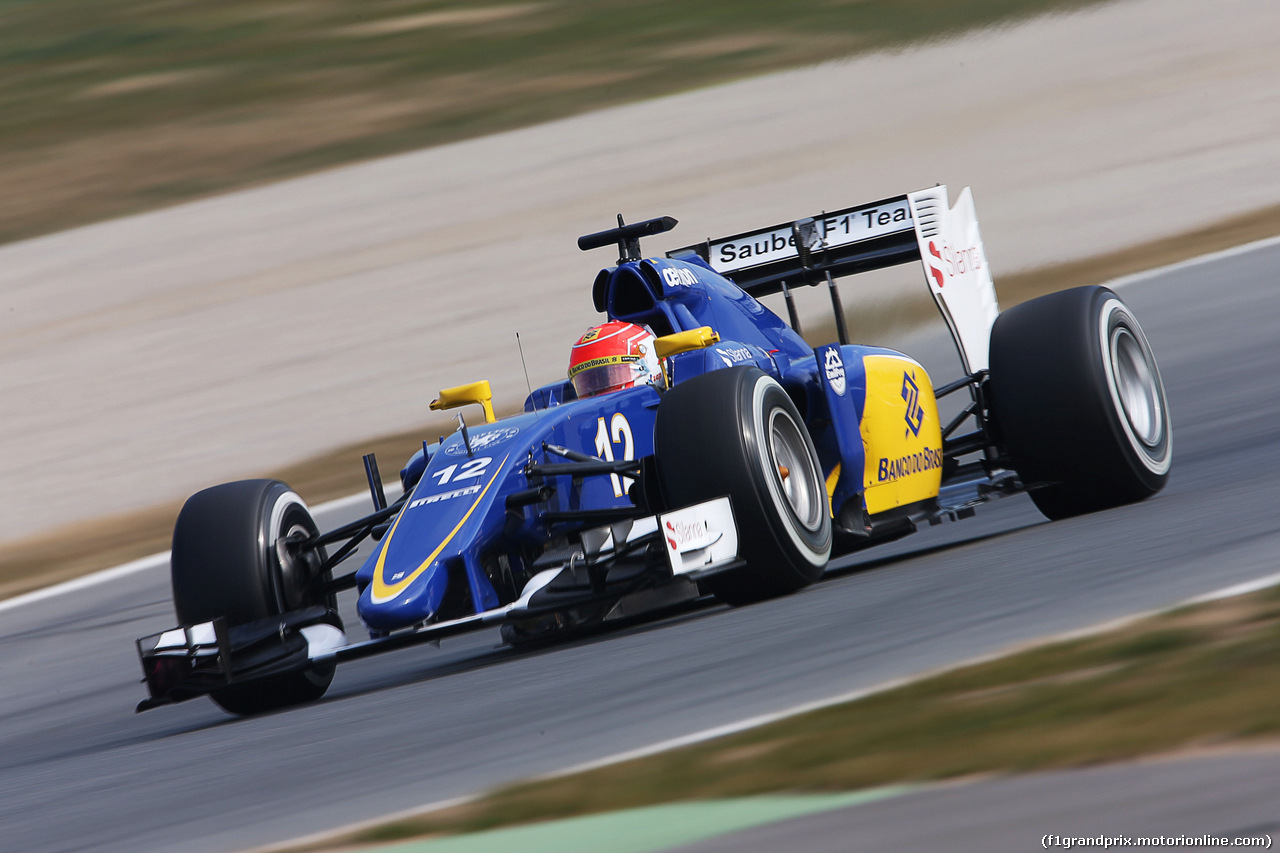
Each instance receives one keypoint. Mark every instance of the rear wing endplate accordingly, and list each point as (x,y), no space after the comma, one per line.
(918,226)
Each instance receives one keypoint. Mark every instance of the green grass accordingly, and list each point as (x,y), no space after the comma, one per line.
(1198,677)
(111,106)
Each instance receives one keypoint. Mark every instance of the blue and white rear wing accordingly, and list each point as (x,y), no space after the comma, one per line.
(918,226)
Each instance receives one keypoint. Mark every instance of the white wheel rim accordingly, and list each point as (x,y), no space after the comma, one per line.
(800,486)
(1136,390)
(770,442)
(290,567)
(1139,397)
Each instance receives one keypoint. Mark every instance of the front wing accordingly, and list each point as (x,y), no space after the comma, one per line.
(699,541)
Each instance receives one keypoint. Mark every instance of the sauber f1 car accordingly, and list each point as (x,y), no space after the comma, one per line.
(741,463)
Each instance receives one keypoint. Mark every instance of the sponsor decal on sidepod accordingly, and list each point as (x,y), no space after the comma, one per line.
(904,466)
(911,395)
(835,371)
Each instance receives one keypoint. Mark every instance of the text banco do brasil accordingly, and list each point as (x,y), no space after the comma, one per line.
(904,466)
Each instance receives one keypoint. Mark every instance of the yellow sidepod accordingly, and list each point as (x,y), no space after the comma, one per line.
(900,434)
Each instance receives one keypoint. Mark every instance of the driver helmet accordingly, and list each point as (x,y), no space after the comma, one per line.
(613,356)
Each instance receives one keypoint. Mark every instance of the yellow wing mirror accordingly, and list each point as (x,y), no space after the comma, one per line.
(669,345)
(463,395)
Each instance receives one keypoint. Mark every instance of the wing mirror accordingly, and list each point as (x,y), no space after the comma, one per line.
(462,395)
(669,345)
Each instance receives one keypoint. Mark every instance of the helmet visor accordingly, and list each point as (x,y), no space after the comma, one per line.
(606,377)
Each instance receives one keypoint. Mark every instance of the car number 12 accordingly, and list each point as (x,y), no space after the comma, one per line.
(470,468)
(618,431)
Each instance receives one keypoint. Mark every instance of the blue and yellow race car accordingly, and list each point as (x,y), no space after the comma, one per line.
(698,446)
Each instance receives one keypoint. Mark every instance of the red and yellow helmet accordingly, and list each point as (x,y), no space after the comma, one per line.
(613,356)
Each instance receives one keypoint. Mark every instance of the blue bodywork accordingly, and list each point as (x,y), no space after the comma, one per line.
(457,522)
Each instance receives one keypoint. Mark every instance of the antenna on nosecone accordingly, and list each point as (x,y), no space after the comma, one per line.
(527,383)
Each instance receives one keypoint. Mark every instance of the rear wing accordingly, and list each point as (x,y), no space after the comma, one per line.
(918,226)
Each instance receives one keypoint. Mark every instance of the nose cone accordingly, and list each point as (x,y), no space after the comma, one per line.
(401,606)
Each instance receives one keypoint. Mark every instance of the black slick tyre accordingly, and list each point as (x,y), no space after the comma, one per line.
(229,561)
(736,432)
(1079,403)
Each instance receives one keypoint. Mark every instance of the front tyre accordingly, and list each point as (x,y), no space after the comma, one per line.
(231,560)
(736,432)
(1079,402)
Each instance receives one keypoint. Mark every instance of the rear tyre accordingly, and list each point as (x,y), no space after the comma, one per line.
(229,560)
(736,432)
(1079,403)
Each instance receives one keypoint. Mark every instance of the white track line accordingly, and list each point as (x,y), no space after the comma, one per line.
(75,584)
(156,560)
(1199,260)
(1236,589)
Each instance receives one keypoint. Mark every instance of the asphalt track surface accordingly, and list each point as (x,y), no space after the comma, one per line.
(80,771)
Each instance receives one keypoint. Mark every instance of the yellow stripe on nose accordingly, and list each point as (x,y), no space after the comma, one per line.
(382,591)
